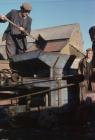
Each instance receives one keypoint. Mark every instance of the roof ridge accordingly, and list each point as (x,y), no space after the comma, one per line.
(49,27)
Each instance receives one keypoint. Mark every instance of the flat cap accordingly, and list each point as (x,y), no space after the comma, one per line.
(27,6)
(89,49)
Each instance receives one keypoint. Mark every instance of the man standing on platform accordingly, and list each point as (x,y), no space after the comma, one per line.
(16,42)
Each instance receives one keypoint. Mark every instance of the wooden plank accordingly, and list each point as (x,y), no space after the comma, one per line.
(7,102)
(4,64)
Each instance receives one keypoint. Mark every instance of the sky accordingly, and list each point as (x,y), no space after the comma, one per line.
(49,13)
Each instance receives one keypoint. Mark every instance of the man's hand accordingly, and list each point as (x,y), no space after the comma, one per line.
(21,29)
(2,17)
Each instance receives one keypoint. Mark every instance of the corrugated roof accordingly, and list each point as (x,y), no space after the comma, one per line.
(57,32)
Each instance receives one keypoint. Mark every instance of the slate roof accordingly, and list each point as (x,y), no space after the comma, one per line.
(55,32)
(62,33)
(52,33)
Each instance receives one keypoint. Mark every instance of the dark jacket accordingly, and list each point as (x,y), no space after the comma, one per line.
(82,69)
(14,16)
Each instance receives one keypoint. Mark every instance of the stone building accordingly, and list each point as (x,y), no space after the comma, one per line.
(65,39)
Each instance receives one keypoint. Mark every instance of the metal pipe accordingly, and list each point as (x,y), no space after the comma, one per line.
(41,92)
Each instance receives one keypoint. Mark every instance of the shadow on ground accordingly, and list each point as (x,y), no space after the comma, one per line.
(69,122)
